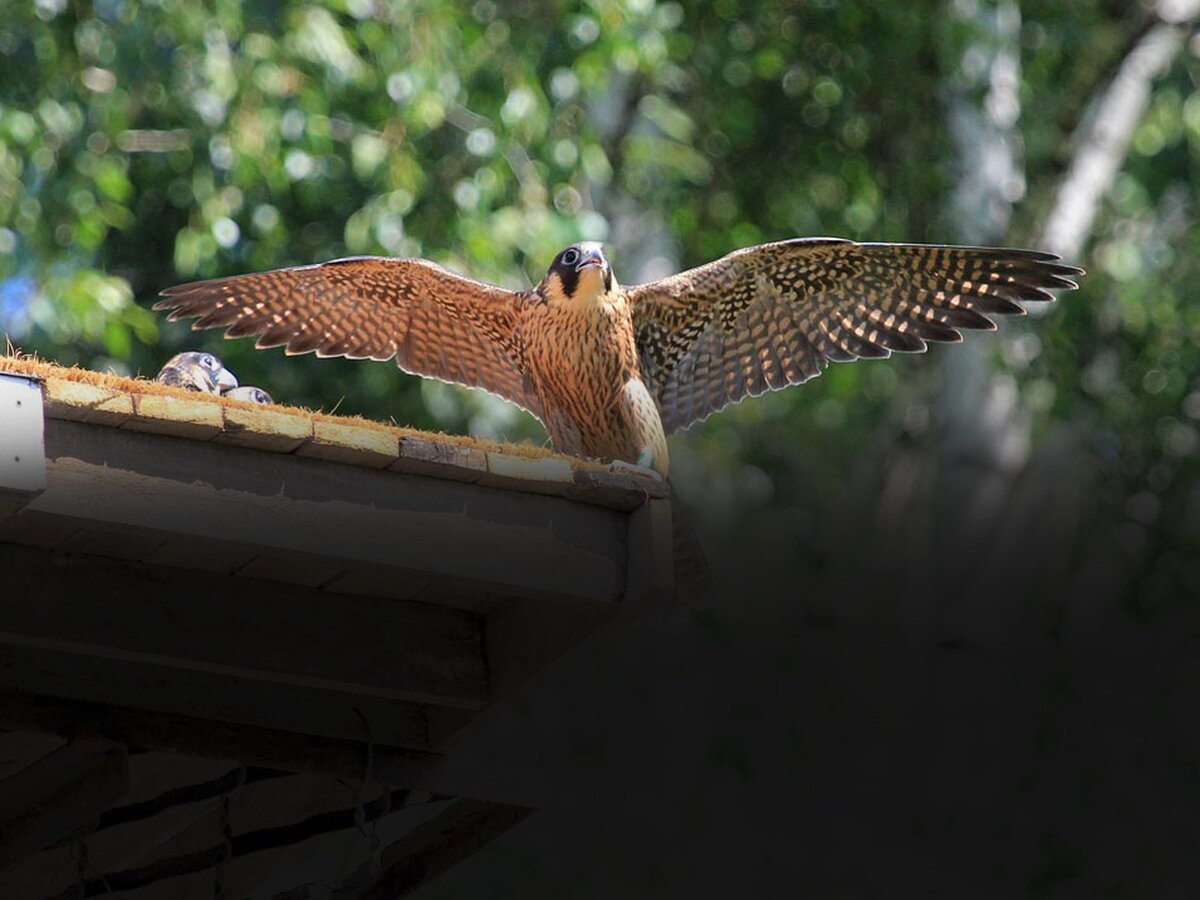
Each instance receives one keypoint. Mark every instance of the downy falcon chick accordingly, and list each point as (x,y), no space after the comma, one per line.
(197,371)
(612,370)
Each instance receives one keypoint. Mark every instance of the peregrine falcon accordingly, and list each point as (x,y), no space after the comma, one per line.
(612,370)
(195,371)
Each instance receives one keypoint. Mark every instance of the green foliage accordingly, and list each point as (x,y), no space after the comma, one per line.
(143,144)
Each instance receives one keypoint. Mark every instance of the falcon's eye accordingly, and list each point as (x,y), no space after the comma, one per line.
(209,362)
(570,256)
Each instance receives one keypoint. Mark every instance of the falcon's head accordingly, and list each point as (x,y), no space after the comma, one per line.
(250,394)
(579,273)
(196,371)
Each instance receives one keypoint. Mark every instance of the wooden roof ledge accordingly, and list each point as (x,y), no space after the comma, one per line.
(320,597)
(80,395)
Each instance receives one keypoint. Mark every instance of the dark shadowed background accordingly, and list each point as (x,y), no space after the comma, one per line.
(953,646)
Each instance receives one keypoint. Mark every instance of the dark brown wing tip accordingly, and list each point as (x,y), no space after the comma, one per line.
(1045,262)
(176,295)
(1053,260)
(178,290)
(1060,276)
(1048,272)
(1048,263)
(171,298)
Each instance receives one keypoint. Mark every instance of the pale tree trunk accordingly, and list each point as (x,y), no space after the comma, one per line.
(1101,143)
(1002,505)
(1102,140)
(640,236)
(984,433)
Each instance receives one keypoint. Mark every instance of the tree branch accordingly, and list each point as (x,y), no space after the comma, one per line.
(1102,139)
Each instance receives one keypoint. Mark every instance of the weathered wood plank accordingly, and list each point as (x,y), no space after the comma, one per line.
(57,794)
(288,567)
(154,774)
(133,835)
(201,622)
(133,844)
(617,490)
(276,869)
(206,695)
(419,456)
(20,748)
(113,541)
(44,874)
(375,580)
(259,861)
(650,574)
(184,417)
(34,529)
(196,886)
(430,849)
(205,554)
(523,636)
(357,445)
(259,874)
(295,798)
(80,402)
(263,429)
(253,745)
(172,877)
(354,761)
(499,540)
(542,475)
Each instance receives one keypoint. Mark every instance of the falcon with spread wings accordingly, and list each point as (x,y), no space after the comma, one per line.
(612,370)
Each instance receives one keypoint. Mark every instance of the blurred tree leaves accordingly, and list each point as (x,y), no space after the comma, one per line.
(146,143)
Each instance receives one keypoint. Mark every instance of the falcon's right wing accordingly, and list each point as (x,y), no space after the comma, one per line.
(434,322)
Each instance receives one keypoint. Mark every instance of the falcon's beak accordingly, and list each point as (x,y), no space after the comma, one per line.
(590,259)
(226,380)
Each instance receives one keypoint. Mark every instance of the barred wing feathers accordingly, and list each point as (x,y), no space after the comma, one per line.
(769,316)
(433,322)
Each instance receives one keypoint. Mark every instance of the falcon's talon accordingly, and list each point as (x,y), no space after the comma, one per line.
(610,370)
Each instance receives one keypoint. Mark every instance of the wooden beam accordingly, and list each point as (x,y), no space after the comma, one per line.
(397,767)
(20,748)
(183,795)
(650,575)
(510,541)
(57,794)
(132,879)
(158,616)
(523,636)
(272,748)
(203,843)
(433,847)
(315,844)
(213,696)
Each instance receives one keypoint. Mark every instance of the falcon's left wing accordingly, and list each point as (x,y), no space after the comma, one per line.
(766,317)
